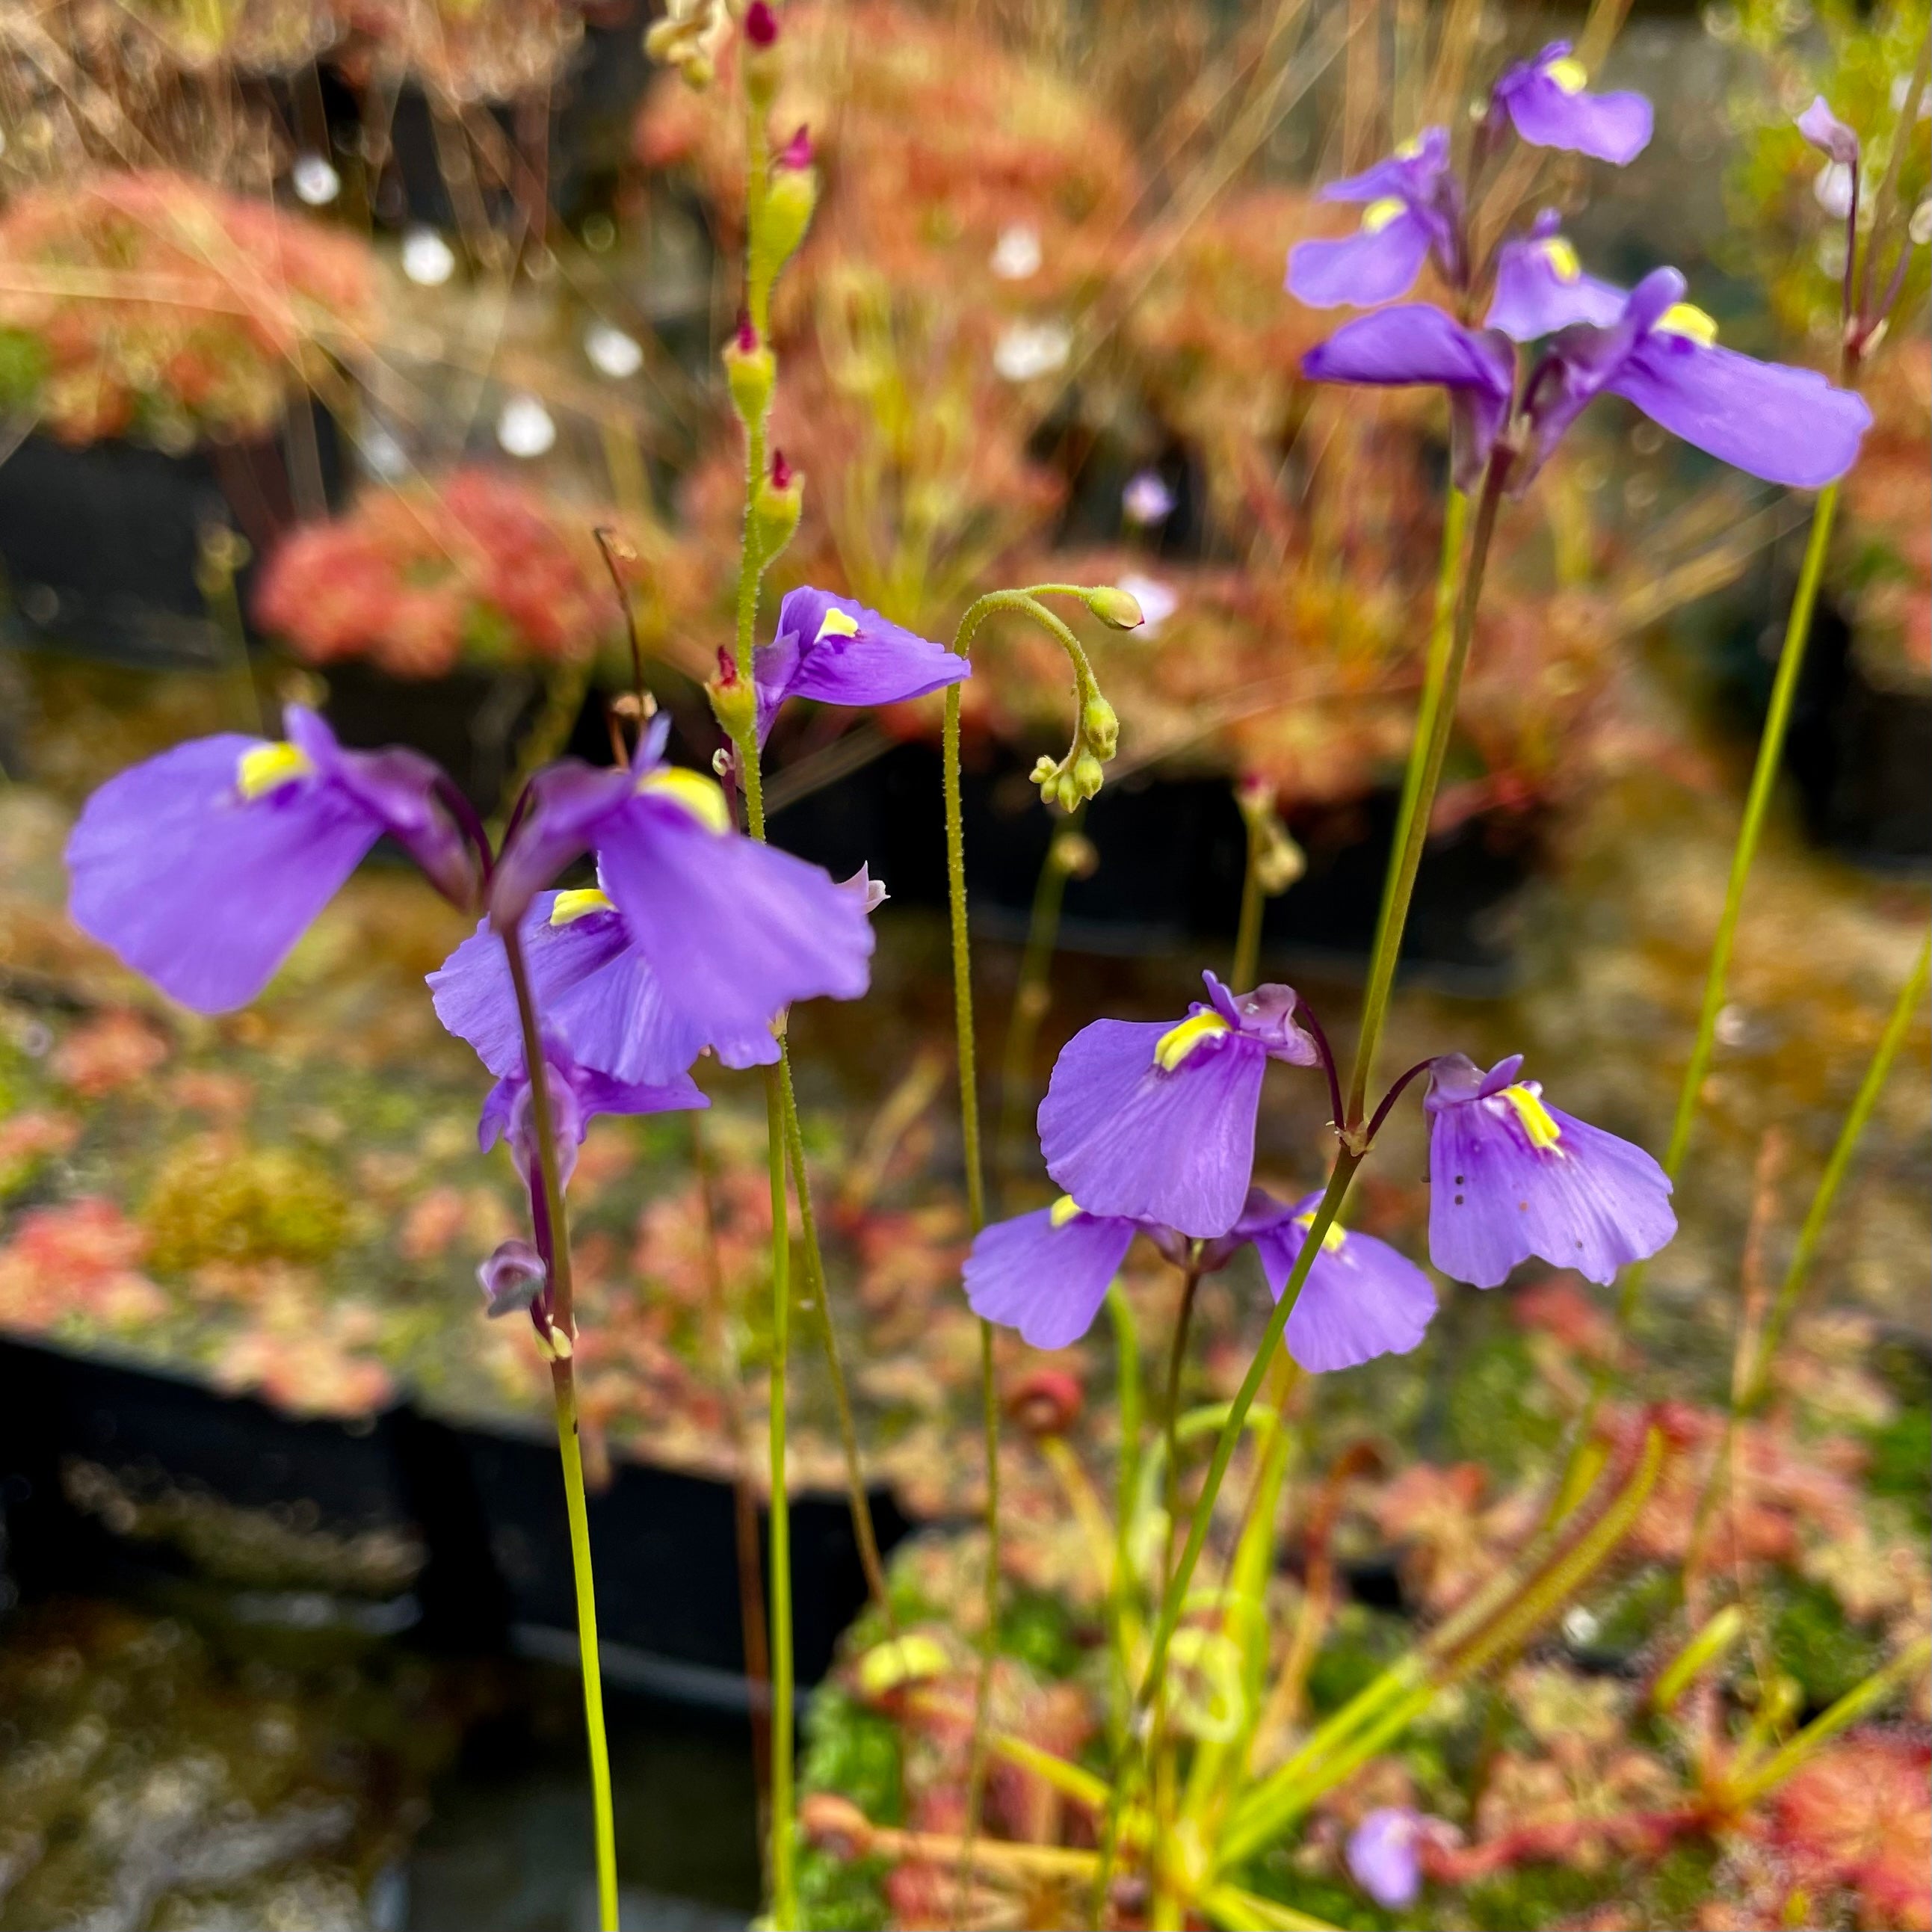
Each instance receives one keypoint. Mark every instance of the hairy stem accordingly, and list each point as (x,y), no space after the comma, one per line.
(785,1869)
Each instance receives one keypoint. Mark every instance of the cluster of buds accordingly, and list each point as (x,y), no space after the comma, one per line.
(688,38)
(1066,781)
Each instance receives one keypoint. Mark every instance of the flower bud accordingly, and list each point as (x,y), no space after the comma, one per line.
(1115,607)
(1088,777)
(791,194)
(750,370)
(761,54)
(776,507)
(734,699)
(1102,725)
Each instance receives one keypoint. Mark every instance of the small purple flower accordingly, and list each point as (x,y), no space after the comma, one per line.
(1414,343)
(1156,1121)
(203,866)
(733,931)
(835,649)
(511,1278)
(1828,134)
(1786,425)
(1541,287)
(1546,102)
(1413,207)
(577,1095)
(1511,1177)
(1382,1856)
(1047,1273)
(1147,500)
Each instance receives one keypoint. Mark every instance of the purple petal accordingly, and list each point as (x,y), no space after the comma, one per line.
(875,662)
(1417,343)
(511,1278)
(1540,288)
(577,1095)
(1266,1015)
(591,986)
(562,807)
(205,890)
(1360,270)
(1361,1298)
(1591,1201)
(1828,134)
(735,931)
(1409,173)
(1786,425)
(1382,1856)
(1125,1136)
(1614,127)
(1047,1281)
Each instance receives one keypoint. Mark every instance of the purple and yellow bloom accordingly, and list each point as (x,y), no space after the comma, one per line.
(1548,103)
(1785,424)
(1156,1121)
(1413,206)
(834,650)
(1510,1177)
(203,866)
(1541,287)
(1047,1273)
(733,931)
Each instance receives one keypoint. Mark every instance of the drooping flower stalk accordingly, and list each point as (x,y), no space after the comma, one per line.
(784,1851)
(554,1241)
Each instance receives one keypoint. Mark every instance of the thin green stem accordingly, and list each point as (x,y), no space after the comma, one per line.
(1248,933)
(860,1503)
(1177,1365)
(1434,679)
(563,1329)
(784,1870)
(563,1390)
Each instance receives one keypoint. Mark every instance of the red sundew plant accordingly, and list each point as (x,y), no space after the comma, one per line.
(460,50)
(474,569)
(150,305)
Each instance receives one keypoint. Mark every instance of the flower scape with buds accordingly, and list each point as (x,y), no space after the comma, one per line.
(1137,1702)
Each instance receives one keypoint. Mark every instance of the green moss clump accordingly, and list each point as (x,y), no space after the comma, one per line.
(1039,1630)
(23,368)
(1814,1640)
(212,1202)
(854,1752)
(1361,1644)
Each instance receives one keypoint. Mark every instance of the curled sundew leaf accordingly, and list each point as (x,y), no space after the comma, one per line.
(1206,1685)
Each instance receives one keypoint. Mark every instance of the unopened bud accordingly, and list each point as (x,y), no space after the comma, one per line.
(1101,724)
(1088,777)
(1075,854)
(734,699)
(1116,607)
(750,370)
(775,507)
(760,65)
(791,194)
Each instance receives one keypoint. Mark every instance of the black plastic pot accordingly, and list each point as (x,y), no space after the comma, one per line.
(1172,854)
(475,1516)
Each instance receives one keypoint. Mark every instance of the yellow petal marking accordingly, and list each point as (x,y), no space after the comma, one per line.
(1331,1242)
(262,769)
(1569,73)
(1410,149)
(1562,259)
(1379,215)
(1526,1097)
(1688,320)
(837,624)
(1178,1042)
(690,792)
(580,903)
(1063,1211)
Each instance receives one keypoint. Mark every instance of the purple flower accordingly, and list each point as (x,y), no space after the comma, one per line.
(203,867)
(1047,1273)
(1786,425)
(835,649)
(1511,1177)
(1156,1121)
(1413,207)
(511,1278)
(1545,100)
(577,1095)
(1416,344)
(1828,134)
(733,931)
(1147,500)
(1382,1856)
(1541,287)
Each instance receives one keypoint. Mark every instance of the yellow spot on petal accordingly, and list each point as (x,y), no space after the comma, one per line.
(1688,320)
(690,792)
(578,904)
(1410,149)
(1331,1242)
(266,768)
(1526,1097)
(1178,1043)
(1569,73)
(837,624)
(1062,1211)
(1379,215)
(1562,259)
